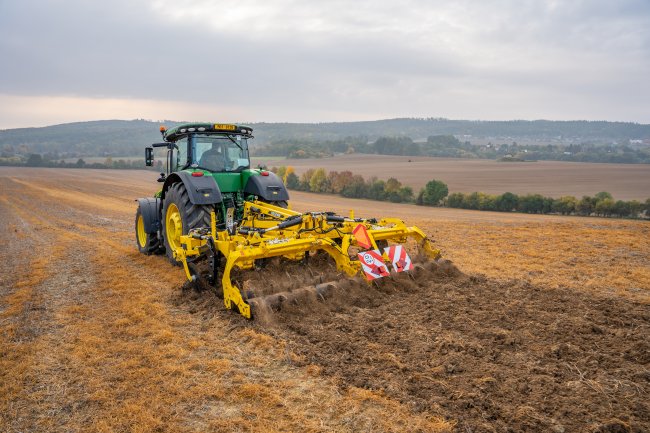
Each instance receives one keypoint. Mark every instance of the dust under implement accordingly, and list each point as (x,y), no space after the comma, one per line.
(357,246)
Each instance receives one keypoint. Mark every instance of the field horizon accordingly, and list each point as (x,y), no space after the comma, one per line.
(549,178)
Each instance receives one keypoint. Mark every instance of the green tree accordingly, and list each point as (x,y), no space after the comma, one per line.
(406,194)
(472,201)
(455,200)
(318,181)
(565,205)
(603,195)
(433,192)
(586,205)
(34,160)
(376,189)
(280,171)
(531,203)
(605,207)
(547,205)
(305,178)
(636,208)
(622,208)
(506,202)
(395,146)
(392,185)
(356,187)
(292,181)
(486,201)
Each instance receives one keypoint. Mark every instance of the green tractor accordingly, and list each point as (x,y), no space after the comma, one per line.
(208,173)
(214,215)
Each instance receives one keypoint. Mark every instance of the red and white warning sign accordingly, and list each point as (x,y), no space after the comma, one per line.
(373,264)
(400,259)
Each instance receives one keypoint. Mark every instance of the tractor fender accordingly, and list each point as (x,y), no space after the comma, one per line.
(150,211)
(201,189)
(268,188)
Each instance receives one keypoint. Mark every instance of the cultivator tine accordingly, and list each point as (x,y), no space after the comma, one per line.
(276,301)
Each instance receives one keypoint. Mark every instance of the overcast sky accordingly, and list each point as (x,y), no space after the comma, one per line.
(318,61)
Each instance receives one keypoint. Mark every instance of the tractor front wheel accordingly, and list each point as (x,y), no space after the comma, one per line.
(148,243)
(179,216)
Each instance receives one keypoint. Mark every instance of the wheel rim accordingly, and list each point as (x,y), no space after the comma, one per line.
(141,234)
(174,226)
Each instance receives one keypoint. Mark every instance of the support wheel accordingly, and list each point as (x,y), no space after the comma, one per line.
(148,243)
(179,216)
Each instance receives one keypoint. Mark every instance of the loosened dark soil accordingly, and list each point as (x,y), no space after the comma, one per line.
(495,356)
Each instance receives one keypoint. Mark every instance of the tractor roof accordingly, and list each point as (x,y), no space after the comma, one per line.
(181,131)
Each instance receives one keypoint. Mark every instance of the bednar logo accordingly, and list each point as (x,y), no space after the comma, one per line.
(400,259)
(373,264)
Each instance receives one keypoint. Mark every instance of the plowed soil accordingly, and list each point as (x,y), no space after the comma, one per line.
(537,324)
(493,357)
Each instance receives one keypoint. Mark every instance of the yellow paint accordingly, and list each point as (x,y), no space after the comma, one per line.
(173,226)
(142,235)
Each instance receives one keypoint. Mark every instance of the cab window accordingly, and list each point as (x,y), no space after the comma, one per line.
(182,160)
(219,153)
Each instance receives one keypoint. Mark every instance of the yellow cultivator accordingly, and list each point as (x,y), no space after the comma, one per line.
(357,246)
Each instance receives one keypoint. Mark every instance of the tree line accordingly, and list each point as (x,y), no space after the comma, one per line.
(38,160)
(346,184)
(436,193)
(602,204)
(449,146)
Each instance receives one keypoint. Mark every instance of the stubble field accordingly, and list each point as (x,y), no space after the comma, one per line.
(541,324)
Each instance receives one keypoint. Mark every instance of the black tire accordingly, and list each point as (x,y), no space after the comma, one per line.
(191,216)
(148,243)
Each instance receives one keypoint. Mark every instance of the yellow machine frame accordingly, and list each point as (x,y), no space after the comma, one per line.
(271,231)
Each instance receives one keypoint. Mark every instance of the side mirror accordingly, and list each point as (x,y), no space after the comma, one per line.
(148,156)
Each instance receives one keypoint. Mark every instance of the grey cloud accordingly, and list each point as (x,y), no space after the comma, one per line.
(415,57)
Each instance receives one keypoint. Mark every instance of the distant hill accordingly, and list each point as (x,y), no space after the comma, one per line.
(97,138)
(420,129)
(128,138)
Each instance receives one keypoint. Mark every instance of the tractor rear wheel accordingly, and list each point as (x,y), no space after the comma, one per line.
(148,243)
(179,216)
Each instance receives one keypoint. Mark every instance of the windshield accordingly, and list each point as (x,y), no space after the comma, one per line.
(220,152)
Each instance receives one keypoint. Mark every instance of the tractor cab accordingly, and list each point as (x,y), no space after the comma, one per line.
(207,172)
(215,148)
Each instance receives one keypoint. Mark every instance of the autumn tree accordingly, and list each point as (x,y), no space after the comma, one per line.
(318,181)
(305,179)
